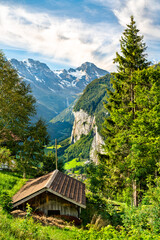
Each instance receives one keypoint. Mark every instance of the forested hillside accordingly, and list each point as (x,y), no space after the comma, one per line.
(93,99)
(91,102)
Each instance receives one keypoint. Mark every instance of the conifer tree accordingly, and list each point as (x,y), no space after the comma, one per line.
(122,108)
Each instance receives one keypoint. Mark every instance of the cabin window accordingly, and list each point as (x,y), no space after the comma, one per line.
(53,212)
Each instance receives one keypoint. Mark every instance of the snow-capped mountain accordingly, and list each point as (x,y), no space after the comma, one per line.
(55,90)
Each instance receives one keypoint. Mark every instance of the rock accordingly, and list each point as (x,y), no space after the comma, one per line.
(83,124)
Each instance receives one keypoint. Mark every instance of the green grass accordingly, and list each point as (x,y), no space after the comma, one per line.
(53,147)
(73,164)
(13,229)
(10,182)
(80,149)
(27,229)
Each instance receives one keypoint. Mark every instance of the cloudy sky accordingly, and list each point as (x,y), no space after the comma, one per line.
(67,33)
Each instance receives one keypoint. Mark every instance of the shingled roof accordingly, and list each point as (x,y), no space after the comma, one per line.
(55,182)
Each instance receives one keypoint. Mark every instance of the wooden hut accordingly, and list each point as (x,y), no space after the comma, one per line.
(53,194)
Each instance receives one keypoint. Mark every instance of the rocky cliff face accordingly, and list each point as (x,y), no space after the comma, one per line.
(97,146)
(83,124)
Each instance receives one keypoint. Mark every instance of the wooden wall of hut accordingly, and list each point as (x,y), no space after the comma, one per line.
(51,204)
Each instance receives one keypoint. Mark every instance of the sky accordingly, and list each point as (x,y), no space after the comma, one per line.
(67,33)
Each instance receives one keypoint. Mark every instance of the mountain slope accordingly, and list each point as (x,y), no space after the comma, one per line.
(55,90)
(60,127)
(92,99)
(89,114)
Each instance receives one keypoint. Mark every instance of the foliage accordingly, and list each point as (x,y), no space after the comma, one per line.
(5,201)
(31,150)
(73,164)
(17,105)
(79,149)
(16,102)
(146,216)
(124,167)
(100,212)
(133,52)
(49,163)
(5,157)
(28,210)
(93,98)
(10,182)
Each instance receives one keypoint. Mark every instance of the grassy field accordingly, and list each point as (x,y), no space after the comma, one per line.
(13,229)
(73,164)
(10,182)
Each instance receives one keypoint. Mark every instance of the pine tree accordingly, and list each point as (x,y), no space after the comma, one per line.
(133,51)
(121,106)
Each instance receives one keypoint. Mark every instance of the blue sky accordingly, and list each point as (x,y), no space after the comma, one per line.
(68,33)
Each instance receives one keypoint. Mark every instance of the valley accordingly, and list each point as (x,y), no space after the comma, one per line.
(60,96)
(55,90)
(81,145)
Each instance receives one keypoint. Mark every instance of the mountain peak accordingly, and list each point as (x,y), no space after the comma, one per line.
(31,63)
(89,64)
(55,90)
(86,66)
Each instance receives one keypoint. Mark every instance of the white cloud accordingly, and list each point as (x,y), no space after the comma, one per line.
(145,12)
(62,39)
(72,41)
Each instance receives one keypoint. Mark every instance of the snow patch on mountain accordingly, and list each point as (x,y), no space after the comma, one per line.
(39,80)
(58,88)
(27,62)
(78,74)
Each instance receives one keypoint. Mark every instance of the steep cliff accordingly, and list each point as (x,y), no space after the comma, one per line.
(89,114)
(83,124)
(97,146)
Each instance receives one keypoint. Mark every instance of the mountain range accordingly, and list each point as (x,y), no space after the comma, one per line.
(55,90)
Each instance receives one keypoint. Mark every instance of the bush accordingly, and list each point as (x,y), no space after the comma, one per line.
(6,201)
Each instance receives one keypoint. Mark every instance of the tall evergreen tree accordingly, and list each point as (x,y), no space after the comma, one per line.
(122,108)
(133,51)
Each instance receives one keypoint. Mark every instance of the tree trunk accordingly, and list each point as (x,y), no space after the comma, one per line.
(24,174)
(135,195)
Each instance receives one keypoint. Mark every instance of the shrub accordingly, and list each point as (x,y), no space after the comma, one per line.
(6,201)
